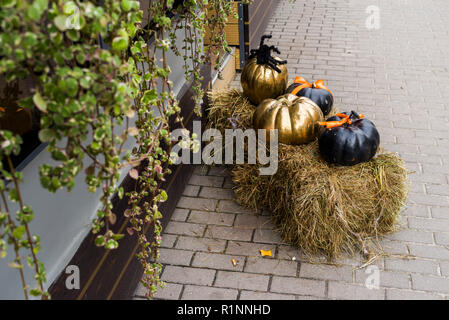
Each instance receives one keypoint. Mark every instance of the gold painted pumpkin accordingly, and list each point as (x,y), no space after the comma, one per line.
(296,118)
(263,75)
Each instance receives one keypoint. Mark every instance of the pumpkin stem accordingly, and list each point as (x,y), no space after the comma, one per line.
(356,116)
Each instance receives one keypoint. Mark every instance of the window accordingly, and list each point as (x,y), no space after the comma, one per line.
(21,121)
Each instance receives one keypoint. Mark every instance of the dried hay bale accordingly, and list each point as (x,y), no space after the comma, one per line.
(323,209)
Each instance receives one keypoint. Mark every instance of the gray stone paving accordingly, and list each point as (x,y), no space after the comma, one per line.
(398,76)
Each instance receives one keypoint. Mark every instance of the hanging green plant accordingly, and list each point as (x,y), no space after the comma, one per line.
(94,73)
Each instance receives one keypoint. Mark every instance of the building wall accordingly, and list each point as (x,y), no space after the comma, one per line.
(63,219)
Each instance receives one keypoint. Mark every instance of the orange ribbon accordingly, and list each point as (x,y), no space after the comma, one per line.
(305,84)
(332,124)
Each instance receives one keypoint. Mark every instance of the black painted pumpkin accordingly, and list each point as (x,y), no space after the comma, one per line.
(348,139)
(317,92)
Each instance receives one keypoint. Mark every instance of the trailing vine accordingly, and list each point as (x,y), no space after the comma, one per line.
(101,79)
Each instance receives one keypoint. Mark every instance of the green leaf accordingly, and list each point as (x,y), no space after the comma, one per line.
(100,133)
(46,135)
(13,195)
(164,195)
(34,13)
(39,102)
(149,96)
(41,4)
(61,22)
(126,5)
(55,183)
(100,241)
(35,292)
(69,8)
(8,3)
(119,43)
(72,87)
(18,232)
(111,244)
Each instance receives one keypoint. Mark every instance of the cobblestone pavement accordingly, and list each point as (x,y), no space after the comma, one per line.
(397,75)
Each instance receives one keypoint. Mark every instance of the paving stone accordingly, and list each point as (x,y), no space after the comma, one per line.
(267,236)
(218,171)
(307,298)
(228,184)
(249,249)
(201,170)
(430,283)
(197,203)
(298,286)
(440,212)
(253,221)
(207,181)
(435,189)
(184,228)
(271,266)
(394,247)
(201,244)
(206,217)
(442,238)
(218,261)
(417,210)
(288,252)
(171,291)
(216,193)
(340,290)
(321,271)
(262,296)
(411,265)
(428,199)
(229,233)
(429,224)
(232,207)
(410,235)
(387,279)
(398,294)
(175,257)
(180,214)
(241,280)
(431,252)
(168,240)
(208,293)
(191,191)
(188,275)
(444,267)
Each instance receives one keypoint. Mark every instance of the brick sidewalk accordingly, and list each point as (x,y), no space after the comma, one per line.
(397,75)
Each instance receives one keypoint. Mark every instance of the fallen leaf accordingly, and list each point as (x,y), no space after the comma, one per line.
(234,262)
(265,253)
